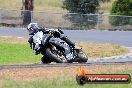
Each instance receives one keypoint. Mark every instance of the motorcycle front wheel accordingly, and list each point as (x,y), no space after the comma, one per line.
(82,57)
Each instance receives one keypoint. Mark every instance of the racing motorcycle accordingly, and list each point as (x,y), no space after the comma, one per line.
(57,50)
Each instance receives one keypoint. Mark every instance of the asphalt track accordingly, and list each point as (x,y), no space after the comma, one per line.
(58,65)
(123,38)
(116,37)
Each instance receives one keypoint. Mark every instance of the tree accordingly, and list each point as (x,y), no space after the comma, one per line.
(27,7)
(121,7)
(82,8)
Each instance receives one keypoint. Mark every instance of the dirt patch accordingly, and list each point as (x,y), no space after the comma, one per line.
(11,21)
(13,40)
(28,74)
(95,50)
(1,83)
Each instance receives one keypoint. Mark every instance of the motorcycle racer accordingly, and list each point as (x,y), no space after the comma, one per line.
(33,28)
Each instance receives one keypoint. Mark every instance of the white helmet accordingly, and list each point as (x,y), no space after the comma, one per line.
(32,28)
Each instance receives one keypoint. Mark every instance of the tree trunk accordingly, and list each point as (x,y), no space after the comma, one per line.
(27,13)
(27,17)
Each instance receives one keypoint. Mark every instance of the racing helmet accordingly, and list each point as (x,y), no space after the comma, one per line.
(33,28)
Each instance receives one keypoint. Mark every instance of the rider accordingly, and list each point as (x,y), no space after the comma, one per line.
(33,28)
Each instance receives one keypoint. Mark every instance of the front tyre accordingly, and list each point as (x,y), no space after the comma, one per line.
(82,57)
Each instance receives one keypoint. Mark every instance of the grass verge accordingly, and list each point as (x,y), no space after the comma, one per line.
(48,5)
(17,51)
(59,77)
(39,5)
(95,50)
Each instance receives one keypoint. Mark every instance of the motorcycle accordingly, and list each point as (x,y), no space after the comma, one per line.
(56,50)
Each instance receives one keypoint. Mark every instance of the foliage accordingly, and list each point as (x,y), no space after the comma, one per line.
(82,7)
(121,7)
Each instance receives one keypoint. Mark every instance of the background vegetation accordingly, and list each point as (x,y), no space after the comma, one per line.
(82,7)
(121,7)
(50,5)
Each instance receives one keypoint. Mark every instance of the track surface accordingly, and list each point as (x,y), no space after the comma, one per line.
(117,37)
(59,65)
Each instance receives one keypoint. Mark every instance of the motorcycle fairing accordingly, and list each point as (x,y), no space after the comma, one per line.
(37,38)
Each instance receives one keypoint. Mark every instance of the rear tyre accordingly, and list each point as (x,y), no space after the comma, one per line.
(55,55)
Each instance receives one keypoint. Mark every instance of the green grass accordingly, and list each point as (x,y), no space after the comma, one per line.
(57,83)
(62,82)
(17,51)
(17,54)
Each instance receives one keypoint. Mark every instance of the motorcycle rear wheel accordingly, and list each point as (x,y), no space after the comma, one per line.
(45,60)
(55,56)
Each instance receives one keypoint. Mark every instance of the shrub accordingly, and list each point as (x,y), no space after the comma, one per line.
(82,7)
(121,7)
